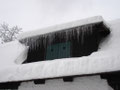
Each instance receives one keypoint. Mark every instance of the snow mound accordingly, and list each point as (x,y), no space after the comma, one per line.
(12,53)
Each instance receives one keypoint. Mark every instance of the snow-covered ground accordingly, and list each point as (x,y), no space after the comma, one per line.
(79,83)
(107,59)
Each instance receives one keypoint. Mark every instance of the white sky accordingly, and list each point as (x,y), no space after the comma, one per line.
(34,14)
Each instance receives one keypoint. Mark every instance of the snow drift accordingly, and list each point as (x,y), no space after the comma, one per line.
(12,53)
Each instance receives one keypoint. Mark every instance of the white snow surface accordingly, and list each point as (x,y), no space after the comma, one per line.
(12,53)
(80,83)
(106,59)
(91,20)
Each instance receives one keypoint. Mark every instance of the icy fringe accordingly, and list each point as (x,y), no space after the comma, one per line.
(67,35)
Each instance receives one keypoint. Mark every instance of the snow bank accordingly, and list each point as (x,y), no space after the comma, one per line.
(91,20)
(107,59)
(80,83)
(12,53)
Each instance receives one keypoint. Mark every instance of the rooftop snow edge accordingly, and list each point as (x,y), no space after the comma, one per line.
(49,29)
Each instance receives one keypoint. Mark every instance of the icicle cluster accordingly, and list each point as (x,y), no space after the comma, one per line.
(43,40)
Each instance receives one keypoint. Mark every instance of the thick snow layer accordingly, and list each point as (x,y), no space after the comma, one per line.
(91,20)
(12,53)
(80,83)
(107,59)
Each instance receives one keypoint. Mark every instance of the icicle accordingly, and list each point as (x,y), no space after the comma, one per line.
(91,29)
(31,43)
(71,34)
(78,33)
(82,35)
(66,35)
(86,30)
(35,43)
(51,37)
(43,40)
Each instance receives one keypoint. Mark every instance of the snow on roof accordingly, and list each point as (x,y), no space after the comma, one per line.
(12,53)
(107,59)
(91,20)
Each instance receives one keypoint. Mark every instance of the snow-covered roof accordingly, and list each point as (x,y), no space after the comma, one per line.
(86,21)
(106,59)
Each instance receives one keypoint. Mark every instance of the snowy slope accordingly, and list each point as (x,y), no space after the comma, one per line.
(107,59)
(91,20)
